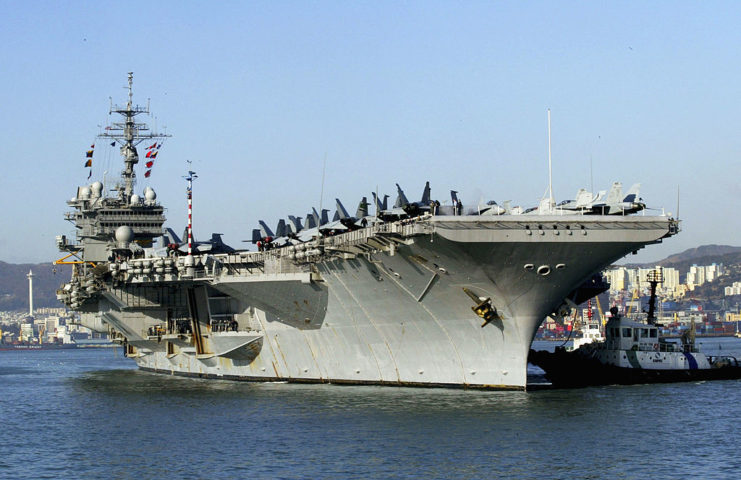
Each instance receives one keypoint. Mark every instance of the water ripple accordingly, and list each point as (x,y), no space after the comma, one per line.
(92,415)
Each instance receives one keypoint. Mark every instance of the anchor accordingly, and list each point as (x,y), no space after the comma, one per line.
(483,308)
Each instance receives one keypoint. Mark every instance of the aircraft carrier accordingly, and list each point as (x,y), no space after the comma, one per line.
(419,294)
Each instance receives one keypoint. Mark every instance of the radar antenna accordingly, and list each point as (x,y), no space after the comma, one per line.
(129,133)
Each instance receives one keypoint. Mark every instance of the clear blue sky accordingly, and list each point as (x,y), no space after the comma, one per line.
(257,94)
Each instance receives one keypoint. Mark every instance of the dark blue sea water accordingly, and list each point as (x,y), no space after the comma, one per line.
(89,413)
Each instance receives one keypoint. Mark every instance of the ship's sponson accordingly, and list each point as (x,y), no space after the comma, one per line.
(507,229)
(433,301)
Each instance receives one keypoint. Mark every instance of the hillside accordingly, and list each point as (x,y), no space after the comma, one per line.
(46,280)
(729,256)
(705,255)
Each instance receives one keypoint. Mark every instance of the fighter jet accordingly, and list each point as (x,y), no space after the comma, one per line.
(490,208)
(313,222)
(403,208)
(584,201)
(362,218)
(295,224)
(589,204)
(482,208)
(284,235)
(509,209)
(342,220)
(215,245)
(415,209)
(616,204)
(384,213)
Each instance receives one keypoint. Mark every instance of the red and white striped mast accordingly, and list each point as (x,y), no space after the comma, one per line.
(191,175)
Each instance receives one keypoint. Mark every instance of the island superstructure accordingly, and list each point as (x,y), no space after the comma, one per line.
(421,294)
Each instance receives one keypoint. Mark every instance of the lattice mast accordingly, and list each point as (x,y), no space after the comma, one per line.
(129,134)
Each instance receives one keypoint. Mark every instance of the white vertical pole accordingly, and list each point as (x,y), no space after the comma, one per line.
(550,171)
(321,195)
(30,293)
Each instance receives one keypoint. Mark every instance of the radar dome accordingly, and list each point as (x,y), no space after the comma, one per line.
(97,189)
(149,194)
(85,193)
(124,234)
(135,199)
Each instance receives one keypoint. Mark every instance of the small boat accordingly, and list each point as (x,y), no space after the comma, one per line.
(590,333)
(633,352)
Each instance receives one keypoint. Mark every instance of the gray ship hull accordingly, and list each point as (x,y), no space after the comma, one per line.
(384,308)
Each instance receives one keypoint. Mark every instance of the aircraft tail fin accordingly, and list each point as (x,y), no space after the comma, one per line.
(341,213)
(426,194)
(507,206)
(312,219)
(583,198)
(265,230)
(256,235)
(295,223)
(615,195)
(362,210)
(379,204)
(401,199)
(454,196)
(280,230)
(633,193)
(171,237)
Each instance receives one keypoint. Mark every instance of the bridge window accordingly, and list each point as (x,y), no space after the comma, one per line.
(627,333)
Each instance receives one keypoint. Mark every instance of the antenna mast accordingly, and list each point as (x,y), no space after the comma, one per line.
(550,171)
(191,176)
(129,134)
(321,195)
(677,202)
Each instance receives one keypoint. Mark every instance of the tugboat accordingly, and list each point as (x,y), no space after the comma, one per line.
(633,353)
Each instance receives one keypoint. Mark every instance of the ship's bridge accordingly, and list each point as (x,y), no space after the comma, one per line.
(96,216)
(622,334)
